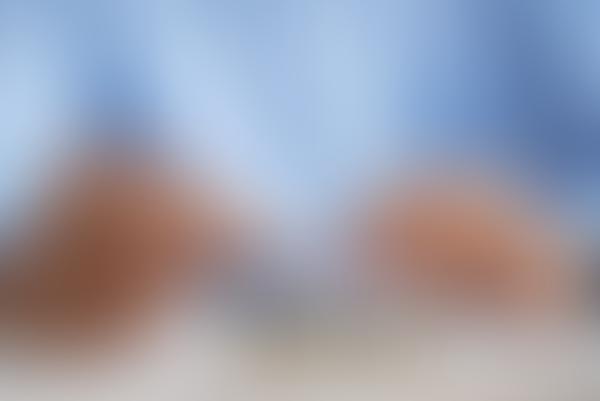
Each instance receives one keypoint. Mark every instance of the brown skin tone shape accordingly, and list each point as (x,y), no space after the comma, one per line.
(116,240)
(471,241)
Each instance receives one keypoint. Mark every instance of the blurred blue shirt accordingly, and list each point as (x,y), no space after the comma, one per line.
(302,99)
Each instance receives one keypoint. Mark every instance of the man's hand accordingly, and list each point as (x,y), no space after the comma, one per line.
(470,240)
